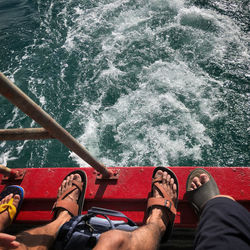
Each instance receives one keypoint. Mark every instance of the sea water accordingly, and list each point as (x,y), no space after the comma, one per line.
(138,83)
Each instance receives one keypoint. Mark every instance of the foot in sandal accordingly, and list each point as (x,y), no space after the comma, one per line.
(71,193)
(163,201)
(200,188)
(10,202)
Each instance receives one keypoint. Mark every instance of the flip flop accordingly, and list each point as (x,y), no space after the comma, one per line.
(12,210)
(73,208)
(199,197)
(164,201)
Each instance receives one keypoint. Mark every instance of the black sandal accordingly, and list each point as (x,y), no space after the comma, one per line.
(199,197)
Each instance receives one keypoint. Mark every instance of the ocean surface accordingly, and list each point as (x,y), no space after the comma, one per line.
(138,83)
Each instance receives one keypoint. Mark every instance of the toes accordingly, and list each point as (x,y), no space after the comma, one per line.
(70,180)
(64,183)
(174,190)
(171,182)
(204,178)
(61,188)
(67,183)
(77,177)
(16,200)
(158,174)
(6,199)
(193,186)
(197,182)
(165,178)
(167,183)
(168,177)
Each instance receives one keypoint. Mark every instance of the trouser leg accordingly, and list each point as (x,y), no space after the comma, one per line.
(224,224)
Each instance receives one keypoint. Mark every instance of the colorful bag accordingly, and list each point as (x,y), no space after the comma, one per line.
(82,232)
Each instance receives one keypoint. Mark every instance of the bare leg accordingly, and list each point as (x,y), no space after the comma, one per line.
(147,236)
(43,237)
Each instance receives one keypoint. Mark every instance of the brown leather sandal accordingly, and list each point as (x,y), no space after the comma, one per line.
(164,201)
(73,208)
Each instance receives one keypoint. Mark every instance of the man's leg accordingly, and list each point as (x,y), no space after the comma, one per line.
(44,236)
(149,235)
(224,223)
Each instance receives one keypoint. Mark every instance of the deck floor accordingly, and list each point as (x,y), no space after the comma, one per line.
(127,194)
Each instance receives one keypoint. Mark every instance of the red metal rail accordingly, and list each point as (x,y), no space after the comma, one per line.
(128,193)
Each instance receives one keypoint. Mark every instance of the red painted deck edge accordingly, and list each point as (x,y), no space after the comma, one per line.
(128,194)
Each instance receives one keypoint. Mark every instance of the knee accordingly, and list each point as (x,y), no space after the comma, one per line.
(114,239)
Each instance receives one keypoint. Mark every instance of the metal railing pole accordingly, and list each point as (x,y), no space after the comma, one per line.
(29,107)
(12,173)
(24,134)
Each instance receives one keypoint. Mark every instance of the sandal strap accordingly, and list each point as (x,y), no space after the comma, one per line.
(156,180)
(160,189)
(10,208)
(75,185)
(164,201)
(68,205)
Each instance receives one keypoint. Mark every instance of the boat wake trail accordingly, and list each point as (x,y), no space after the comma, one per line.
(137,82)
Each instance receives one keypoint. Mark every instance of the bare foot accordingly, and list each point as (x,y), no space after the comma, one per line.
(159,214)
(199,181)
(4,216)
(73,196)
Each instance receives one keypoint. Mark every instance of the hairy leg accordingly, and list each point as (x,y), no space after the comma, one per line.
(148,236)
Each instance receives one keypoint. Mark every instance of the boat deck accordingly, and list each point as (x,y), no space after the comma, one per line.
(128,193)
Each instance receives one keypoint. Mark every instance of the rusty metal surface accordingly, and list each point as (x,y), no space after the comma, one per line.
(15,175)
(128,193)
(24,134)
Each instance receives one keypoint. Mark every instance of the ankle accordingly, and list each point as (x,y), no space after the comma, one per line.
(225,196)
(63,216)
(157,217)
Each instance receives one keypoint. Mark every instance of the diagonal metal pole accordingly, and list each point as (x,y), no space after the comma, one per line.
(29,107)
(24,134)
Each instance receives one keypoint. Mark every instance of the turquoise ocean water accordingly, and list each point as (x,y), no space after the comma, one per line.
(138,83)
